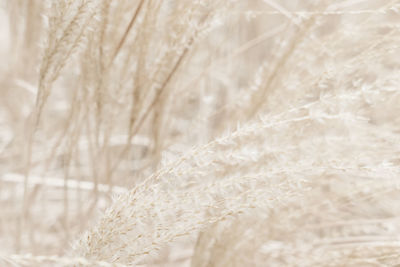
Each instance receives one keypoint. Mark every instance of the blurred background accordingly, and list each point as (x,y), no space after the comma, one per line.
(95,96)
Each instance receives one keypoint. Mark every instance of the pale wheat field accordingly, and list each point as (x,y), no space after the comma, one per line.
(199,133)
